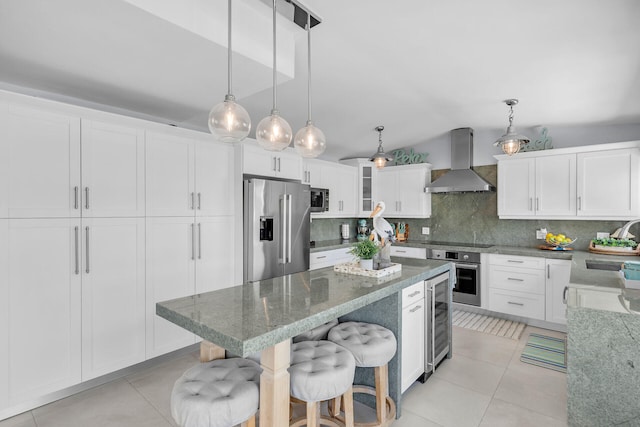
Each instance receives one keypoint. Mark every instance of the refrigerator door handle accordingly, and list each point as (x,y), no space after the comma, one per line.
(290,220)
(283,222)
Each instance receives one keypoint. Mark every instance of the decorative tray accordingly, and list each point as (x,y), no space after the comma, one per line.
(613,250)
(354,268)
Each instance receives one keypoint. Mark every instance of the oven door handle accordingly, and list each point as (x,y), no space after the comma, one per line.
(467,266)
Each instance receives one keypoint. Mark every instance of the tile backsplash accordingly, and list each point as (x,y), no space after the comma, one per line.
(473,218)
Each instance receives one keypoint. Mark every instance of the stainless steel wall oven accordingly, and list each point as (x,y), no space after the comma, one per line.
(467,265)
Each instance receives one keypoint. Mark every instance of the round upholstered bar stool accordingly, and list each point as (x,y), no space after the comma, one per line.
(372,346)
(319,371)
(220,393)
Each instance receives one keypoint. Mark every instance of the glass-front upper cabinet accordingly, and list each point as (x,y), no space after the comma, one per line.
(366,184)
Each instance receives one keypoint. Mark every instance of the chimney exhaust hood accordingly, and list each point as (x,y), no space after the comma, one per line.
(461,178)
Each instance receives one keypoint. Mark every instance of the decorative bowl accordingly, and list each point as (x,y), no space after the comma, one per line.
(559,244)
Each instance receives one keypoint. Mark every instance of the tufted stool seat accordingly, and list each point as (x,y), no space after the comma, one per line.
(220,393)
(316,334)
(319,371)
(372,346)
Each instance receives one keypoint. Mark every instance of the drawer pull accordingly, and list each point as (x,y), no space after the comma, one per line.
(413,294)
(401,252)
(515,279)
(321,257)
(515,260)
(515,303)
(416,308)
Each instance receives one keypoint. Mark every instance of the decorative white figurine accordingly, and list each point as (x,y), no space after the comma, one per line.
(383,233)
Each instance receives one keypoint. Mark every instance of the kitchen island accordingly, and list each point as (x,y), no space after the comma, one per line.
(265,315)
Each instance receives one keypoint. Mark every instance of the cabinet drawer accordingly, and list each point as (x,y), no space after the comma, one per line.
(401,251)
(517,261)
(412,294)
(517,303)
(517,279)
(328,258)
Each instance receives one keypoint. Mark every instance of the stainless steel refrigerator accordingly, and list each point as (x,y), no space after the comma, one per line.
(276,228)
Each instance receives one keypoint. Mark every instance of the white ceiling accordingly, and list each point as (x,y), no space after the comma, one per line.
(418,67)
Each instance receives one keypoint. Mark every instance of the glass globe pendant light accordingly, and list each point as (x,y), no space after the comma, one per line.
(309,141)
(229,121)
(380,159)
(273,132)
(511,141)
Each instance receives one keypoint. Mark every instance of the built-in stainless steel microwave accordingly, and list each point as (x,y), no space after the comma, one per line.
(319,199)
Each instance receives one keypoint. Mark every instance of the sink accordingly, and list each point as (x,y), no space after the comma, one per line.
(603,265)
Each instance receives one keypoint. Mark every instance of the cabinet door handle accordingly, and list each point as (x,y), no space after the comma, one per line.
(537,204)
(515,279)
(530,203)
(548,272)
(86,197)
(193,200)
(193,242)
(416,308)
(515,260)
(564,294)
(579,203)
(515,303)
(321,257)
(413,294)
(77,242)
(274,163)
(400,202)
(309,175)
(86,235)
(278,164)
(199,201)
(75,197)
(199,240)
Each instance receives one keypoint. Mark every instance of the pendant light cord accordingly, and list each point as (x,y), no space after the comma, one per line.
(274,56)
(229,50)
(309,67)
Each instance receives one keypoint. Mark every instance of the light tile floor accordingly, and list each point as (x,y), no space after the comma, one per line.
(483,385)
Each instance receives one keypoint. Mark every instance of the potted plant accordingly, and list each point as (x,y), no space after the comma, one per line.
(365,250)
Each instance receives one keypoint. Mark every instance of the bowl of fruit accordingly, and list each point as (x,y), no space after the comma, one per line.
(558,241)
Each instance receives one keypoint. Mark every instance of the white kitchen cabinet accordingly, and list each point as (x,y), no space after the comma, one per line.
(39,163)
(341,182)
(366,183)
(41,308)
(188,177)
(401,188)
(312,172)
(170,273)
(330,258)
(113,272)
(112,170)
(557,285)
(537,187)
(215,254)
(517,285)
(609,184)
(282,164)
(408,252)
(413,328)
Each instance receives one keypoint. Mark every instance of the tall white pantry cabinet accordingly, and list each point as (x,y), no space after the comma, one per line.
(78,234)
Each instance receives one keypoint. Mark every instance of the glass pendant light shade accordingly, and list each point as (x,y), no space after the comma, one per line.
(310,141)
(229,121)
(273,132)
(511,141)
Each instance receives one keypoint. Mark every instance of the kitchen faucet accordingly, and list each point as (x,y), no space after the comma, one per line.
(625,228)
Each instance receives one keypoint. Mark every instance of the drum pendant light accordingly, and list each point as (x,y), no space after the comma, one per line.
(273,132)
(511,141)
(229,121)
(309,141)
(380,159)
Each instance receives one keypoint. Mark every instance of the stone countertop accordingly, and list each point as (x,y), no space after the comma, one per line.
(247,318)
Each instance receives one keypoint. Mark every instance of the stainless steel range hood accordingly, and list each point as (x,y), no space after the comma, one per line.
(461,178)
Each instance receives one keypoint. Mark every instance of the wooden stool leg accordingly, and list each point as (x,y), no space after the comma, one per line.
(347,398)
(334,406)
(251,422)
(382,391)
(313,414)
